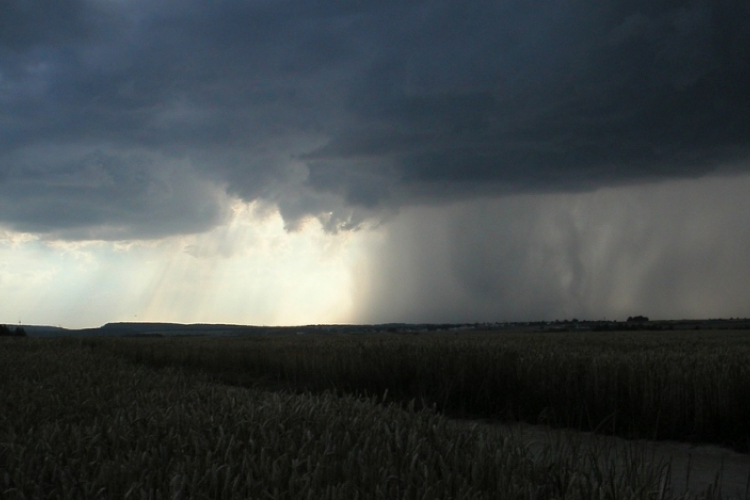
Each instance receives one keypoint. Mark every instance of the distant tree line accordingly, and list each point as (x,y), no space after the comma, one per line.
(631,327)
(637,319)
(7,332)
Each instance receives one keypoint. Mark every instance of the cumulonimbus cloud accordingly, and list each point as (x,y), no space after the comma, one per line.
(345,111)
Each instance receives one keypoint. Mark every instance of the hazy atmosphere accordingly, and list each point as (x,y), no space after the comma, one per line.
(288,162)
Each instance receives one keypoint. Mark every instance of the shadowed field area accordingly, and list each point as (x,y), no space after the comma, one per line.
(683,385)
(89,419)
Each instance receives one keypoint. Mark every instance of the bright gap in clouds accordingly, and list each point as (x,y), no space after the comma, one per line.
(247,271)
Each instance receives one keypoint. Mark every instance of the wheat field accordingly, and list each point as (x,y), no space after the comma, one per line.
(262,418)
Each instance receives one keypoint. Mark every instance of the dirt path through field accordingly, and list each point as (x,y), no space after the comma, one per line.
(693,468)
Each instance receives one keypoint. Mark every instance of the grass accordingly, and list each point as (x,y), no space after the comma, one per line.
(688,386)
(76,421)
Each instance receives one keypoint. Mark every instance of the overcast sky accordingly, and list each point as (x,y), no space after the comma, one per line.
(302,161)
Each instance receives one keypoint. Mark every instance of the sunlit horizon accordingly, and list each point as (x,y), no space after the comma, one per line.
(248,270)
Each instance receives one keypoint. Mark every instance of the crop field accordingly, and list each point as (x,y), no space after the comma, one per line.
(686,386)
(335,416)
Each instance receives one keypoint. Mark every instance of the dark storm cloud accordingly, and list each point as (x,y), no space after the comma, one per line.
(343,109)
(24,24)
(555,97)
(73,194)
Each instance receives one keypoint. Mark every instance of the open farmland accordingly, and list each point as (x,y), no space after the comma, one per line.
(155,418)
(682,385)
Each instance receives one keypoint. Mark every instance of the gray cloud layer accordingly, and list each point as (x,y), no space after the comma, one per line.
(672,250)
(127,119)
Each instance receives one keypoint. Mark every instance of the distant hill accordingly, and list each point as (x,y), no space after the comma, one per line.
(127,329)
(145,330)
(45,331)
(177,329)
